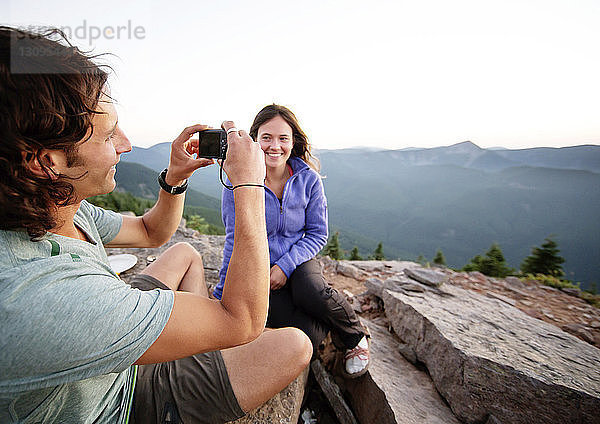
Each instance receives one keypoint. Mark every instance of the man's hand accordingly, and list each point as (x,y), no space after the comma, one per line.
(278,278)
(245,162)
(182,163)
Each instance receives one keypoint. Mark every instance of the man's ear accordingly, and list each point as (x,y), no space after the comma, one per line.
(44,162)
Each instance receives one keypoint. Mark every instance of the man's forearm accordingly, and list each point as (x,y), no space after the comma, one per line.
(246,289)
(162,220)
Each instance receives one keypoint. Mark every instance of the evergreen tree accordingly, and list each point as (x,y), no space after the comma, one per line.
(544,260)
(421,259)
(378,253)
(439,258)
(492,264)
(354,256)
(332,248)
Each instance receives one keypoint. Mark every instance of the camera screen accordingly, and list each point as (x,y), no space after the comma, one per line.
(209,144)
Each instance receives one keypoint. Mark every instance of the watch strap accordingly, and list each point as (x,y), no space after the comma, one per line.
(169,188)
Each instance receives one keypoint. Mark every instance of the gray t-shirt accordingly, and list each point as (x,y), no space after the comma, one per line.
(70,329)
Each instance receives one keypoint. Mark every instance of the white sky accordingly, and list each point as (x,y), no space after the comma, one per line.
(394,74)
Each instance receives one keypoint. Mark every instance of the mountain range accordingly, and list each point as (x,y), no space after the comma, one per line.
(458,198)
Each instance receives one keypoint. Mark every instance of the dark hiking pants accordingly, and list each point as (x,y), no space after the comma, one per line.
(307,302)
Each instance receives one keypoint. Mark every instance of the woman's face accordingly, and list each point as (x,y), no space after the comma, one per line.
(275,138)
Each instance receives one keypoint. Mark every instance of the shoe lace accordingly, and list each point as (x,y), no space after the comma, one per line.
(358,352)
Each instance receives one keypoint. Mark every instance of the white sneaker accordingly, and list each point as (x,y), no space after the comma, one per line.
(356,361)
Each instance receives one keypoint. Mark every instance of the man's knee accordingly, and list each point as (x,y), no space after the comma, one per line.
(300,348)
(184,249)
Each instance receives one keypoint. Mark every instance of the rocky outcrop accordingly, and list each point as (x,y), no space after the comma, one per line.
(394,390)
(449,347)
(487,358)
(283,408)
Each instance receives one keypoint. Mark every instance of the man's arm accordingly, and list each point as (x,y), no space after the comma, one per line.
(157,225)
(198,324)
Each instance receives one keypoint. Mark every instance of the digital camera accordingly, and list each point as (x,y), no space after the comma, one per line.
(212,144)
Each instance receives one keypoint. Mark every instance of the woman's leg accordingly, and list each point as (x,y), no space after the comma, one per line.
(283,313)
(311,293)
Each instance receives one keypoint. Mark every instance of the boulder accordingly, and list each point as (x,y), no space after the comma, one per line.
(374,286)
(349,270)
(429,277)
(283,408)
(384,266)
(572,291)
(487,358)
(394,390)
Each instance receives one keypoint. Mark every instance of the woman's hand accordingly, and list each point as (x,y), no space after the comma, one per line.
(278,278)
(182,163)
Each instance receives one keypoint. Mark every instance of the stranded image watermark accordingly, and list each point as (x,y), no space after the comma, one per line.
(109,32)
(32,52)
(90,33)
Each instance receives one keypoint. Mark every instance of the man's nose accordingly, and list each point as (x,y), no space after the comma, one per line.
(122,144)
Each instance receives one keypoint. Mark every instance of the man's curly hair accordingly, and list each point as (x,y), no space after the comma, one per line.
(49,90)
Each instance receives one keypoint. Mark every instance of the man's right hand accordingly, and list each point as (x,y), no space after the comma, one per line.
(245,161)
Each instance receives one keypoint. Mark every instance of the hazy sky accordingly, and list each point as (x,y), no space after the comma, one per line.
(388,74)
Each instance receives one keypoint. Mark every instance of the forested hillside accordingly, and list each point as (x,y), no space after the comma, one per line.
(459,199)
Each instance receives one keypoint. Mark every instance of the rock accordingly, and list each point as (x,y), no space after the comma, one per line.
(327,263)
(488,358)
(478,277)
(283,408)
(332,393)
(394,390)
(347,269)
(515,282)
(374,286)
(402,283)
(501,298)
(571,291)
(580,331)
(493,420)
(408,353)
(548,288)
(388,266)
(427,276)
(521,294)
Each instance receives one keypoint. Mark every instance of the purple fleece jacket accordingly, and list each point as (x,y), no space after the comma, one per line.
(296,225)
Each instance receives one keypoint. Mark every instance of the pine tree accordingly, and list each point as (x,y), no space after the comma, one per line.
(378,253)
(492,264)
(439,258)
(354,256)
(544,260)
(332,248)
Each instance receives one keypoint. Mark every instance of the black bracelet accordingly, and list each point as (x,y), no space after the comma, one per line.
(248,185)
(169,188)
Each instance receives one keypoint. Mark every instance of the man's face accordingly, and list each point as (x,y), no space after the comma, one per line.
(97,157)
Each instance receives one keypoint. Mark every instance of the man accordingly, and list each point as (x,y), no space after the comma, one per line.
(72,333)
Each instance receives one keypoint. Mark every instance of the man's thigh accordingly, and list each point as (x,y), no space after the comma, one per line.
(193,389)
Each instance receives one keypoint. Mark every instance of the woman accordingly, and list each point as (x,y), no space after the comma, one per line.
(296,215)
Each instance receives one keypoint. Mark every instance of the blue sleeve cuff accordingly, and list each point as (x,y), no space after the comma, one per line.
(286,264)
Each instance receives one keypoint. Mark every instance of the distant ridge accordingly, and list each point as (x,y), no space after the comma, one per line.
(459,198)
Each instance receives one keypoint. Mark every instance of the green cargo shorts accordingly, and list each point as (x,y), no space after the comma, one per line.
(195,389)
